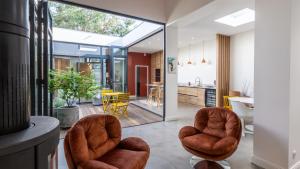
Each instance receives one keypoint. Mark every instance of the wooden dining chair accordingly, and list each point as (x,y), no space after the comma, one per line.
(151,94)
(160,95)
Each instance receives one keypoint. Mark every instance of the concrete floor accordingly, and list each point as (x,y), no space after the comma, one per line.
(166,150)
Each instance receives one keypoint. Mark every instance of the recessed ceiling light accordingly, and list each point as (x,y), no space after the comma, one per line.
(238,18)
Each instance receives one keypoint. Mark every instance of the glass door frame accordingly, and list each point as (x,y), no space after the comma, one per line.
(114,56)
(48,57)
(102,60)
(33,17)
(41,30)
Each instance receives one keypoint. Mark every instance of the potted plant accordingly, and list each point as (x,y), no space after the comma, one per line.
(70,86)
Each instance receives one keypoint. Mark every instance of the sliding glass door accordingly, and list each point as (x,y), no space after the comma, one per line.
(119,62)
(40,57)
(119,74)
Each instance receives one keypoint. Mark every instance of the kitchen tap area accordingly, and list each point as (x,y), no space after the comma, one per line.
(198,81)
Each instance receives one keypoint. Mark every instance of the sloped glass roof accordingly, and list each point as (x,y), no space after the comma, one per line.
(88,20)
(73,36)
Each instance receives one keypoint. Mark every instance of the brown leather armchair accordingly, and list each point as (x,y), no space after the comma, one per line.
(215,135)
(94,142)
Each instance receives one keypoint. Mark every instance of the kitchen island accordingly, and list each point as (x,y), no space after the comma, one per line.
(203,96)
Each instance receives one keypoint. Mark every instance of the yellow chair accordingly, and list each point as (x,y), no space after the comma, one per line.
(119,107)
(105,99)
(226,103)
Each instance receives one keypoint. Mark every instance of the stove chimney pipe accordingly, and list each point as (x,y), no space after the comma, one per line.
(14,66)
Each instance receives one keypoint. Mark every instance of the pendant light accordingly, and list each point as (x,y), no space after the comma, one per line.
(189,62)
(203,61)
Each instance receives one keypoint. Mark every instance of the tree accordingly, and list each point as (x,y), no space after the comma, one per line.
(82,19)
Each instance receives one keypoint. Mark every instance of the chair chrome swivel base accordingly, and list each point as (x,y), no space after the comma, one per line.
(199,163)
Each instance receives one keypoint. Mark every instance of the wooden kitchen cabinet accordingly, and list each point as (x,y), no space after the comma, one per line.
(191,95)
(157,63)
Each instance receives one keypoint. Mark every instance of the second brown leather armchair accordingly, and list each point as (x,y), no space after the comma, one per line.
(215,135)
(94,142)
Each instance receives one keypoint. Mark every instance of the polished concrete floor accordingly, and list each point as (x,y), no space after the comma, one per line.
(152,107)
(166,150)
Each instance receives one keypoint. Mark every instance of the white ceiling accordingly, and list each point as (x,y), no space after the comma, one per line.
(200,24)
(150,45)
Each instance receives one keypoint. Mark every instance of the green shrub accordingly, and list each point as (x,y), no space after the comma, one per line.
(72,85)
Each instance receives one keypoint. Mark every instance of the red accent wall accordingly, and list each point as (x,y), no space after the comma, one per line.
(134,59)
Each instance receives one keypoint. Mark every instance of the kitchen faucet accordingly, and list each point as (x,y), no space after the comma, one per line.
(198,81)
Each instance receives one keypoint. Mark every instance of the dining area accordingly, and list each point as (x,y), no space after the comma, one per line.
(243,106)
(153,101)
(155,94)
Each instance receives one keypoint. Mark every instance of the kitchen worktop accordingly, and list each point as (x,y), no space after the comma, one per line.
(197,86)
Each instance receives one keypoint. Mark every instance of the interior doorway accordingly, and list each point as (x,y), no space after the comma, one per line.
(141,79)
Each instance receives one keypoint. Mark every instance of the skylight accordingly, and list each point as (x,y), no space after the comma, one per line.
(87,20)
(238,18)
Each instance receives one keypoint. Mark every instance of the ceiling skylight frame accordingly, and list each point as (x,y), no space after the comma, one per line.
(238,18)
(137,24)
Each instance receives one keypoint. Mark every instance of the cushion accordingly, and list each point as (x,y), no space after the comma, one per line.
(210,145)
(218,122)
(125,159)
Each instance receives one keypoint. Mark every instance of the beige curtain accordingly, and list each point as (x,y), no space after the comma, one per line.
(223,67)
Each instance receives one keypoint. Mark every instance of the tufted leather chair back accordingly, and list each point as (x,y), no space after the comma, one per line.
(90,138)
(218,122)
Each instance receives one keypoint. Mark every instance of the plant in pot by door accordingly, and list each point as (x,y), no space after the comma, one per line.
(70,86)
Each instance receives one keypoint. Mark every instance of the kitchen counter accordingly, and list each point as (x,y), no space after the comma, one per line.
(195,95)
(200,87)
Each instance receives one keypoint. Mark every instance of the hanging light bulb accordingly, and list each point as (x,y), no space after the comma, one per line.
(203,61)
(189,61)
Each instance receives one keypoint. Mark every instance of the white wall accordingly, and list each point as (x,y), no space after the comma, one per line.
(242,63)
(206,72)
(271,83)
(171,79)
(295,86)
